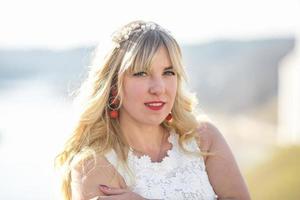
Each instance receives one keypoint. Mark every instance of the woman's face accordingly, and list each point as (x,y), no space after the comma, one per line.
(149,97)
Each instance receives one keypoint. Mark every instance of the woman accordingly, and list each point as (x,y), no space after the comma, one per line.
(137,136)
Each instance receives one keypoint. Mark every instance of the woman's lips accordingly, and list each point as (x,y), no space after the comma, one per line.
(155,105)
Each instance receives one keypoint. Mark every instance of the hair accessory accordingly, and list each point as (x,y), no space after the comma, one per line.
(125,33)
(117,45)
(153,26)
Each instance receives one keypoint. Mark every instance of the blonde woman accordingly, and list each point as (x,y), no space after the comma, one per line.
(137,136)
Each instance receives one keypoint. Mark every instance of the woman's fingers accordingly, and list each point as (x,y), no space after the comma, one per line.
(115,197)
(118,194)
(110,190)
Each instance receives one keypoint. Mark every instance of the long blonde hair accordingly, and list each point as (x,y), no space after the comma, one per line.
(95,133)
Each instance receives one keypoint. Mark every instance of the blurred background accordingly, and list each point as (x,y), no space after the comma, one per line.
(242,58)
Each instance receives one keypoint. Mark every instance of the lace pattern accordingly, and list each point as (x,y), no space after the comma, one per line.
(178,176)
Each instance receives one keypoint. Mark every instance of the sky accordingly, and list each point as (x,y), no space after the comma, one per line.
(67,24)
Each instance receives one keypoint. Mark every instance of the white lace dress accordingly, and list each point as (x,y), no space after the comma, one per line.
(177,177)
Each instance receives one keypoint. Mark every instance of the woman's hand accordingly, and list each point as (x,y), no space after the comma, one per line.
(117,194)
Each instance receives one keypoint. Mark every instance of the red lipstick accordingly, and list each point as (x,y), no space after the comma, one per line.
(155,105)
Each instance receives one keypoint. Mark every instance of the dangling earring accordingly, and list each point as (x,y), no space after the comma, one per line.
(169,117)
(113,114)
(113,104)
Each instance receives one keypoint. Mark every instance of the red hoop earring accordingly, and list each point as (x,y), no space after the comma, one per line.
(113,104)
(169,117)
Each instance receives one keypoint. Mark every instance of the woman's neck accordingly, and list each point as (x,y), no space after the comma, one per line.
(143,137)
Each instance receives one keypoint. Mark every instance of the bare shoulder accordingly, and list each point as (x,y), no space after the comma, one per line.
(88,175)
(222,168)
(207,135)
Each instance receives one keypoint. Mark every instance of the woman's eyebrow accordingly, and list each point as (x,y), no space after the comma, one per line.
(167,68)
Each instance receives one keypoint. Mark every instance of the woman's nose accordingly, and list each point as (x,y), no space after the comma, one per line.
(157,86)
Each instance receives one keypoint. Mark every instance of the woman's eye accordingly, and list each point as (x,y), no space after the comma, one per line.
(140,74)
(171,73)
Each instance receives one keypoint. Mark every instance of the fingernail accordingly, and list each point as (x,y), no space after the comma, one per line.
(105,187)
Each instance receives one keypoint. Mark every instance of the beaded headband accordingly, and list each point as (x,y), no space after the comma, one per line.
(123,35)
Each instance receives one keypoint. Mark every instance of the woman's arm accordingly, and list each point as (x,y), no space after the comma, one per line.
(85,179)
(222,169)
(100,181)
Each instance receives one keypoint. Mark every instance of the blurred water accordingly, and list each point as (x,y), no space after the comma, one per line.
(34,122)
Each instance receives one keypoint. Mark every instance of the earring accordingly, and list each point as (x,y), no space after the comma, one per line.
(113,104)
(113,114)
(169,117)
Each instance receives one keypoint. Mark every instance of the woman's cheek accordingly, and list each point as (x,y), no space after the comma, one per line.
(138,90)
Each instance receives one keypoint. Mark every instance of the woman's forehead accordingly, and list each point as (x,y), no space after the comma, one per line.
(161,57)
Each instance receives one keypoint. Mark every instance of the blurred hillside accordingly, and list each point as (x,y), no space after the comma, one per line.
(58,68)
(228,76)
(234,76)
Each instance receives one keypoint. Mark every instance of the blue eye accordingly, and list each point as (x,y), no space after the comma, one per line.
(171,73)
(140,74)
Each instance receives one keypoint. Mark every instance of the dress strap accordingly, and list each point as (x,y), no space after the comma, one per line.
(112,157)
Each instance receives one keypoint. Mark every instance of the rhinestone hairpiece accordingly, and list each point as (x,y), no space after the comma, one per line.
(127,31)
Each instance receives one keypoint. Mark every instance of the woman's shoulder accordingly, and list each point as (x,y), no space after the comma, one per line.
(222,164)
(207,133)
